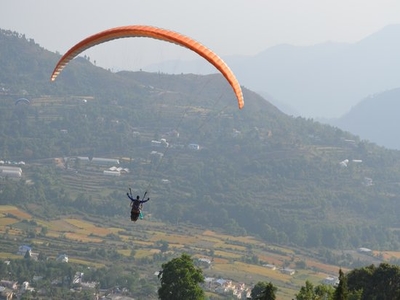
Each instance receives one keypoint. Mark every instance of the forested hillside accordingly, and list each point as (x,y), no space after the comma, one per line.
(256,170)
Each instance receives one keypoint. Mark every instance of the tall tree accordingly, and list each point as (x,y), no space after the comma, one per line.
(180,280)
(264,291)
(341,292)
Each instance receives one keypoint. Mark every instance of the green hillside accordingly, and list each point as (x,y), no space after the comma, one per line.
(257,170)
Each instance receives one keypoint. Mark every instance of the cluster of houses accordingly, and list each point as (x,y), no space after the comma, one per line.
(11,288)
(27,250)
(162,143)
(345,162)
(224,286)
(102,162)
(115,171)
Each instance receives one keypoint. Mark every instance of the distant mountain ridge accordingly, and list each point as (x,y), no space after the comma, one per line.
(323,80)
(376,118)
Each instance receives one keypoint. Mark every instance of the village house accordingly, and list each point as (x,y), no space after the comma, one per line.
(288,271)
(23,249)
(331,280)
(194,146)
(270,266)
(62,258)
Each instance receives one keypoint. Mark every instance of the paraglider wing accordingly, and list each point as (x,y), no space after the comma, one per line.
(155,33)
(23,100)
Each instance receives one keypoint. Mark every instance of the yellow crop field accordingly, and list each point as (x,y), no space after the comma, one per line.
(387,255)
(176,246)
(226,254)
(260,270)
(241,239)
(85,262)
(173,238)
(231,246)
(79,223)
(43,223)
(86,228)
(271,258)
(6,208)
(215,242)
(7,221)
(142,253)
(61,226)
(218,260)
(143,243)
(82,237)
(323,267)
(124,252)
(9,209)
(9,256)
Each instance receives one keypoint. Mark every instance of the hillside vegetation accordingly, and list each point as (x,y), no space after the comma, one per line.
(258,171)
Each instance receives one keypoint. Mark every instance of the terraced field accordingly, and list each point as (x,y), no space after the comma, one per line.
(78,238)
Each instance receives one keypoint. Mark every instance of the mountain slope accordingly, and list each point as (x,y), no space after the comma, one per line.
(375,118)
(258,171)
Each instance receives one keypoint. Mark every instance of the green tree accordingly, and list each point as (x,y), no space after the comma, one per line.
(341,292)
(306,292)
(264,291)
(180,280)
(309,292)
(371,282)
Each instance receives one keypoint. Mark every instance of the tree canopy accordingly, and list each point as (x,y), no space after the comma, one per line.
(180,280)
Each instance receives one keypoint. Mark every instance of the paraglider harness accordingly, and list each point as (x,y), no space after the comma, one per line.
(137,205)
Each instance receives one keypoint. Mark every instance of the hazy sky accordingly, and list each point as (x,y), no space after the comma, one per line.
(226,26)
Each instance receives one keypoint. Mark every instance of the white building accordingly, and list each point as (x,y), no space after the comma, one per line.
(105,161)
(111,173)
(8,171)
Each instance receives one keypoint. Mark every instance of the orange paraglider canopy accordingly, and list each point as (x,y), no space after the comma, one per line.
(155,33)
